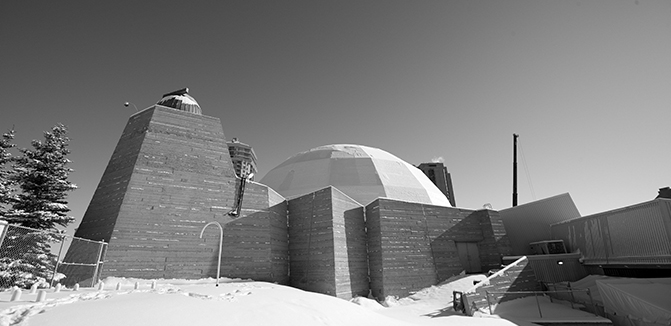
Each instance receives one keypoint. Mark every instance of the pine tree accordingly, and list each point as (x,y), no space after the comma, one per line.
(7,183)
(41,174)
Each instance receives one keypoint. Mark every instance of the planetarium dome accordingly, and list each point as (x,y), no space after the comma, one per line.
(363,173)
(181,100)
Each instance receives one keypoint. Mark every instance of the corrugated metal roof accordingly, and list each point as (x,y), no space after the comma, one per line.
(531,222)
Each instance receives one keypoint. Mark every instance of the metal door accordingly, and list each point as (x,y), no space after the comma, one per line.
(469,256)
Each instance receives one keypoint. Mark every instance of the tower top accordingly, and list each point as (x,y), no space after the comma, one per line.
(180,100)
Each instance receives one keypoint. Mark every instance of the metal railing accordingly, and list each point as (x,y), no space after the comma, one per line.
(31,257)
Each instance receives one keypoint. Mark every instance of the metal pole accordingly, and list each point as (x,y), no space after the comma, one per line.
(57,262)
(221,242)
(4,226)
(571,292)
(591,300)
(515,169)
(489,304)
(94,280)
(538,304)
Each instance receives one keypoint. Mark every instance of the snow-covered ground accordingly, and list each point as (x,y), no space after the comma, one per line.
(238,302)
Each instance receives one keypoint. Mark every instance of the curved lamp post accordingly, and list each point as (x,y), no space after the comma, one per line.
(131,103)
(221,242)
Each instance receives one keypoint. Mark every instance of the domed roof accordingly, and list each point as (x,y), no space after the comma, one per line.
(181,100)
(363,173)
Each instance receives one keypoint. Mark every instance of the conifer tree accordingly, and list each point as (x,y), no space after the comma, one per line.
(41,174)
(7,183)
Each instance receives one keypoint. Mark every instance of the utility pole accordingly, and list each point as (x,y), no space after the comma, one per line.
(515,169)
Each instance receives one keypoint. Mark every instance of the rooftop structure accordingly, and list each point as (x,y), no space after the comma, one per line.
(243,157)
(437,173)
(180,100)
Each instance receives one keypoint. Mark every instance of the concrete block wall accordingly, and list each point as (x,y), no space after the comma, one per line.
(516,277)
(400,256)
(182,179)
(349,242)
(256,245)
(495,243)
(170,174)
(101,214)
(412,246)
(311,245)
(327,246)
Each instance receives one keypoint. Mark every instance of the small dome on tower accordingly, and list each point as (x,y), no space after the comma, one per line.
(181,100)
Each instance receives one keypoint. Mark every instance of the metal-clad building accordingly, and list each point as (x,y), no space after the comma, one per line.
(531,222)
(557,268)
(636,236)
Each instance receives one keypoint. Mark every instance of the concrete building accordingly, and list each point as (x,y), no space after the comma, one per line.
(243,157)
(354,209)
(357,220)
(169,175)
(437,173)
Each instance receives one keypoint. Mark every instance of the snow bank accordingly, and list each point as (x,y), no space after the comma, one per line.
(238,302)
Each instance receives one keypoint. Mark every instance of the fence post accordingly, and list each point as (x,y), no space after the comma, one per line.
(591,300)
(95,278)
(3,230)
(538,304)
(488,304)
(571,292)
(16,295)
(60,250)
(41,296)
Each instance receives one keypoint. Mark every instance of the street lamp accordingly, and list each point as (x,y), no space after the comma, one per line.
(129,103)
(221,242)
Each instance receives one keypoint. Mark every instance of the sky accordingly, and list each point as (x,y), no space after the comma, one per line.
(586,85)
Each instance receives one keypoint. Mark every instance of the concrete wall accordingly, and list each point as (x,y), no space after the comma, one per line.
(495,243)
(351,256)
(327,246)
(170,174)
(502,285)
(530,222)
(412,246)
(311,243)
(256,245)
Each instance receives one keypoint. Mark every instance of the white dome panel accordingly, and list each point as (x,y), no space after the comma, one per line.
(363,173)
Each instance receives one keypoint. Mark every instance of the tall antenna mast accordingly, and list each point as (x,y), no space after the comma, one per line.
(515,169)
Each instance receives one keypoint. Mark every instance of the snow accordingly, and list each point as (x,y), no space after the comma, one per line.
(241,302)
(527,309)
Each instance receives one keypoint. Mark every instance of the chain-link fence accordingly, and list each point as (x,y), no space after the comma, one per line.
(30,257)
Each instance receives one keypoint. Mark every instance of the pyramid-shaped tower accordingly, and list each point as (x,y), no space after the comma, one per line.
(169,175)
